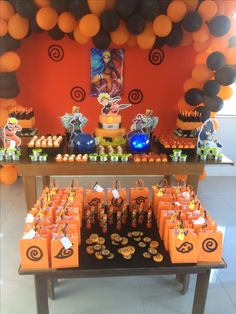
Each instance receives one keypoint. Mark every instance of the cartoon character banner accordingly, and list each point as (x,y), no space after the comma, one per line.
(106,71)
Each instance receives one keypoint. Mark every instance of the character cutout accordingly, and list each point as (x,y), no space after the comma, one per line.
(110,104)
(107,71)
(11,140)
(206,137)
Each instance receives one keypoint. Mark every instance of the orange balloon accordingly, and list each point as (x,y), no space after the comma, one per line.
(202,34)
(8,175)
(120,35)
(191,4)
(190,83)
(207,10)
(215,123)
(187,39)
(181,177)
(201,58)
(219,44)
(7,103)
(3,27)
(203,175)
(230,7)
(46,18)
(97,7)
(162,25)
(200,47)
(6,10)
(182,105)
(176,10)
(225,92)
(220,7)
(201,73)
(147,38)
(132,40)
(79,37)
(18,26)
(89,25)
(230,55)
(67,22)
(43,3)
(9,62)
(3,117)
(110,4)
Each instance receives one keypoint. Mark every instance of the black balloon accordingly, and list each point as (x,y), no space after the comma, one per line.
(101,40)
(160,42)
(219,25)
(27,9)
(79,8)
(149,9)
(110,20)
(216,61)
(9,93)
(163,5)
(193,96)
(232,41)
(213,104)
(7,43)
(225,76)
(205,113)
(56,33)
(60,5)
(71,35)
(125,8)
(192,21)
(8,80)
(135,24)
(211,88)
(175,37)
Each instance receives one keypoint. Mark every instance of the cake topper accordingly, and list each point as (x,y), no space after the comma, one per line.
(11,140)
(110,104)
(74,121)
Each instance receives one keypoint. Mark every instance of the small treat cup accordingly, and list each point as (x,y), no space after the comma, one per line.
(2,151)
(174,158)
(16,157)
(36,152)
(177,152)
(125,157)
(103,157)
(183,158)
(114,158)
(33,157)
(93,157)
(219,157)
(203,157)
(43,157)
(1,157)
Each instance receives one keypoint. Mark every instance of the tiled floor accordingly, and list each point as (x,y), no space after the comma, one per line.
(127,295)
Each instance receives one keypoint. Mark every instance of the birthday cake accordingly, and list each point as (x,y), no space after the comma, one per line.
(109,130)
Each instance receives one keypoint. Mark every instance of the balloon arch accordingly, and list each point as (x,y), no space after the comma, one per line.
(207,25)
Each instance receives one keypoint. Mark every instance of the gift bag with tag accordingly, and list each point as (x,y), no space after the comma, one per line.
(138,195)
(183,246)
(35,250)
(172,224)
(64,249)
(210,246)
(116,196)
(94,196)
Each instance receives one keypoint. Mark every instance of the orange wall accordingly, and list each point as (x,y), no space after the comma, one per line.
(45,85)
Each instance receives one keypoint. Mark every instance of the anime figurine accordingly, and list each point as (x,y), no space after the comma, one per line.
(11,140)
(206,137)
(151,121)
(110,104)
(74,121)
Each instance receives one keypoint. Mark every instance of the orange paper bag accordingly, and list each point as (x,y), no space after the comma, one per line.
(139,195)
(116,196)
(210,246)
(94,196)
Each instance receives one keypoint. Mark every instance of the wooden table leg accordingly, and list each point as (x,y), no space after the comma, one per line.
(46,181)
(200,295)
(41,292)
(193,181)
(30,191)
(184,280)
(51,294)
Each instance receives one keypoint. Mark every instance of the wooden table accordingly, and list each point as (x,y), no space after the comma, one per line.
(203,270)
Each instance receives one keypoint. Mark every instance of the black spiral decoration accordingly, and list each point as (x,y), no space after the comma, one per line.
(135,96)
(209,245)
(78,93)
(140,200)
(156,56)
(63,253)
(34,253)
(55,53)
(185,247)
(94,202)
(117,202)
